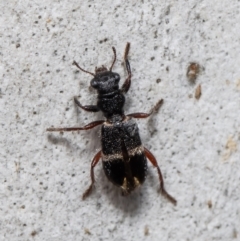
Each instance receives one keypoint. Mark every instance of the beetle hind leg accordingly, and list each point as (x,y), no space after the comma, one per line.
(93,164)
(153,160)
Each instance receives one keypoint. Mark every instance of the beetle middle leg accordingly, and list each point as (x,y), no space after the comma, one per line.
(86,127)
(153,160)
(145,115)
(93,164)
(90,108)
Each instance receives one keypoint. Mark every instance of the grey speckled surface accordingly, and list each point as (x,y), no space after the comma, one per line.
(196,142)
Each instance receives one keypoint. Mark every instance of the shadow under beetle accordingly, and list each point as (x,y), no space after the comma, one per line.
(123,157)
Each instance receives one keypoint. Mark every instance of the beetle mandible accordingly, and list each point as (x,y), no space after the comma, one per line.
(124,158)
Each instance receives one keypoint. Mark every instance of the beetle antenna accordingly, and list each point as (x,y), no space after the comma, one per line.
(75,63)
(114,60)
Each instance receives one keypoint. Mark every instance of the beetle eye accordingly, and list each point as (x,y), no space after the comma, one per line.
(94,83)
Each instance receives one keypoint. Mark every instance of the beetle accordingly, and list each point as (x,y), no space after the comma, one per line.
(124,158)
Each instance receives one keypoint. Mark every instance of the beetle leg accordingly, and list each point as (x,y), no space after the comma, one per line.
(93,164)
(90,108)
(127,82)
(145,115)
(86,127)
(153,160)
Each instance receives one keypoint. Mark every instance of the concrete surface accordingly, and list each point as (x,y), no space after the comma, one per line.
(196,142)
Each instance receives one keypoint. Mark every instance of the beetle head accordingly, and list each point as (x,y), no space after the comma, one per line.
(105,81)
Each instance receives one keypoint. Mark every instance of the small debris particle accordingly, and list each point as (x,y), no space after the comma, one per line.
(146,230)
(209,203)
(87,231)
(235,234)
(33,233)
(193,71)
(198,92)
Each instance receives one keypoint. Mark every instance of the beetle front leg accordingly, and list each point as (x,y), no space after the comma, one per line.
(93,164)
(90,108)
(127,83)
(153,160)
(139,115)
